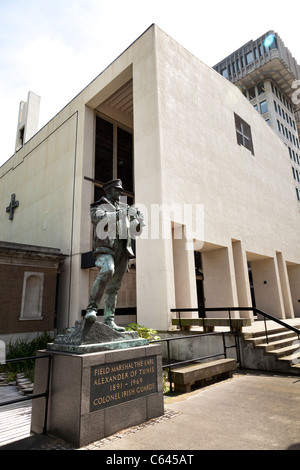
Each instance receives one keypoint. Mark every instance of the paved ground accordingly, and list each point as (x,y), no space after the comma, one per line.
(251,411)
(14,419)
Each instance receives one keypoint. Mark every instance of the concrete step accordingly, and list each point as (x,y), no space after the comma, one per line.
(278,344)
(270,331)
(284,351)
(291,359)
(282,335)
(281,352)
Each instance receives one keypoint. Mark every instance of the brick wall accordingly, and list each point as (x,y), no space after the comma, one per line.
(11,288)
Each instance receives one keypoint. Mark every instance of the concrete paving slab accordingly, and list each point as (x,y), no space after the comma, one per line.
(248,412)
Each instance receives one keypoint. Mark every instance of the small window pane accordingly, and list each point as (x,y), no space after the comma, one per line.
(224,72)
(263,107)
(251,92)
(249,57)
(260,88)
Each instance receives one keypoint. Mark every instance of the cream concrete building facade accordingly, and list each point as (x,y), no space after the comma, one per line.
(208,172)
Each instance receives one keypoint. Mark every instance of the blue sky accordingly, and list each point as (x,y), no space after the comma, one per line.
(56,47)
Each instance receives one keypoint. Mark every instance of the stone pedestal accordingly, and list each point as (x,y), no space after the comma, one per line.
(96,394)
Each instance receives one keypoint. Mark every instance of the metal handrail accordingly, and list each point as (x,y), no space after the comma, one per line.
(39,395)
(277,320)
(240,309)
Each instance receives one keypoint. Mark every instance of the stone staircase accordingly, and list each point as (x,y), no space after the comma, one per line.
(280,354)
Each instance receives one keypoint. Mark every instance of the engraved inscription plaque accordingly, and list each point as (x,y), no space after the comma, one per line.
(112,384)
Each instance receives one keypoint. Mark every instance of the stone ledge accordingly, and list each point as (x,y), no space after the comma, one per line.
(210,323)
(98,347)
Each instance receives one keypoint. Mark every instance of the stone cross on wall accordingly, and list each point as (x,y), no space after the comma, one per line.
(13,204)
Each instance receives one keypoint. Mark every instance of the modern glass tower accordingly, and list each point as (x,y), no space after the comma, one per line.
(269,77)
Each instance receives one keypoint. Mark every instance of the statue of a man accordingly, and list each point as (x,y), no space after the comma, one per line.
(113,223)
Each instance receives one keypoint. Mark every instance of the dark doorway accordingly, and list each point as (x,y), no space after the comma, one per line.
(251,284)
(199,282)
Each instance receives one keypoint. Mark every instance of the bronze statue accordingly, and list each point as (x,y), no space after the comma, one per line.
(113,223)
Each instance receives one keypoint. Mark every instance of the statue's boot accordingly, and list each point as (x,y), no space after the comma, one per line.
(97,291)
(90,316)
(112,325)
(109,312)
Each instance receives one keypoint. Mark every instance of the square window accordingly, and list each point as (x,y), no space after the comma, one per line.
(263,107)
(243,133)
(249,57)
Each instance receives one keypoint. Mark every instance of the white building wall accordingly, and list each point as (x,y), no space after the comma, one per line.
(185,153)
(245,197)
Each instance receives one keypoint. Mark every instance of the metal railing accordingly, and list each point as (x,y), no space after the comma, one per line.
(202,312)
(39,395)
(277,320)
(171,365)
